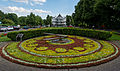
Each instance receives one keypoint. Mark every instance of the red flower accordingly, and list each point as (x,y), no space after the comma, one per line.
(5,34)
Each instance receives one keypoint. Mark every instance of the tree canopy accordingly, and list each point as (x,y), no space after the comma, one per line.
(98,13)
(31,19)
(69,20)
(8,22)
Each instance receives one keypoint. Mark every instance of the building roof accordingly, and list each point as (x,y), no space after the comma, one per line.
(59,16)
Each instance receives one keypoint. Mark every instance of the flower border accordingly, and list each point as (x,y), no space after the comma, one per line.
(87,64)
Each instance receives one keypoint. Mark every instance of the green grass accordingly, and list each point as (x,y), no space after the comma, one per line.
(114,37)
(4,39)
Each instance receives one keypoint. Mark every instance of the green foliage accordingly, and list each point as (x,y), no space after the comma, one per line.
(4,39)
(109,12)
(45,22)
(84,12)
(114,37)
(27,34)
(48,20)
(22,20)
(12,16)
(33,20)
(83,25)
(5,25)
(67,31)
(103,14)
(38,20)
(2,16)
(30,19)
(8,21)
(69,20)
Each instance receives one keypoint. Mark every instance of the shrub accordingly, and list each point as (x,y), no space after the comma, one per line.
(98,34)
(27,34)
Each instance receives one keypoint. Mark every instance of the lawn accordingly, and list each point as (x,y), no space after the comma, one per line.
(115,36)
(4,39)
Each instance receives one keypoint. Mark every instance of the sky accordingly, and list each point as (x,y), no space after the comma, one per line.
(39,7)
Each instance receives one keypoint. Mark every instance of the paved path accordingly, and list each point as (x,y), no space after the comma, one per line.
(113,65)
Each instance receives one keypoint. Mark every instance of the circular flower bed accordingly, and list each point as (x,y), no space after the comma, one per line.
(76,52)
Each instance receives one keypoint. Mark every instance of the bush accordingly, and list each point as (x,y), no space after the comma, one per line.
(27,34)
(98,34)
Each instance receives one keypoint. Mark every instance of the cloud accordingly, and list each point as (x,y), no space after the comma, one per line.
(23,1)
(20,11)
(39,1)
(31,2)
(23,10)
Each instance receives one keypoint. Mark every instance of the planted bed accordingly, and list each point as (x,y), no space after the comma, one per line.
(76,52)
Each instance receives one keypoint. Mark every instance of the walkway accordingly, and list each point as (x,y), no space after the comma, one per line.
(113,65)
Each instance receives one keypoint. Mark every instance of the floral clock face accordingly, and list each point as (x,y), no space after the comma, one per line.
(76,46)
(73,51)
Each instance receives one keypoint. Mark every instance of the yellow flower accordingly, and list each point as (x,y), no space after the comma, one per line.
(50,61)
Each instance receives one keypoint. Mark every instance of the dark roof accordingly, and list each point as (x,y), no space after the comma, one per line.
(59,16)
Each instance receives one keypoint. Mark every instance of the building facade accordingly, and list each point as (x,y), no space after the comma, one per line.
(59,21)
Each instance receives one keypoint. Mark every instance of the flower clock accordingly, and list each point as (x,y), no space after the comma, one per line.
(73,51)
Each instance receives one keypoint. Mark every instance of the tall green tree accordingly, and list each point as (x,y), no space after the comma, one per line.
(109,12)
(8,22)
(38,20)
(49,20)
(12,16)
(45,22)
(30,19)
(33,20)
(69,20)
(2,16)
(84,13)
(22,20)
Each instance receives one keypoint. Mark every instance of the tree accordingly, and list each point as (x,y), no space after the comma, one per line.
(38,20)
(8,22)
(45,22)
(84,13)
(69,20)
(30,19)
(2,16)
(33,20)
(12,16)
(22,20)
(49,20)
(109,12)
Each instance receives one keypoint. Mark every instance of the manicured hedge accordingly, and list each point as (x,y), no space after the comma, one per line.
(98,34)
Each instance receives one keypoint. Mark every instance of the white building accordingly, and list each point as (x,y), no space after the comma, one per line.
(59,21)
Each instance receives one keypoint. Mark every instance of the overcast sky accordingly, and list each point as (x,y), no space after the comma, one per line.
(38,7)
